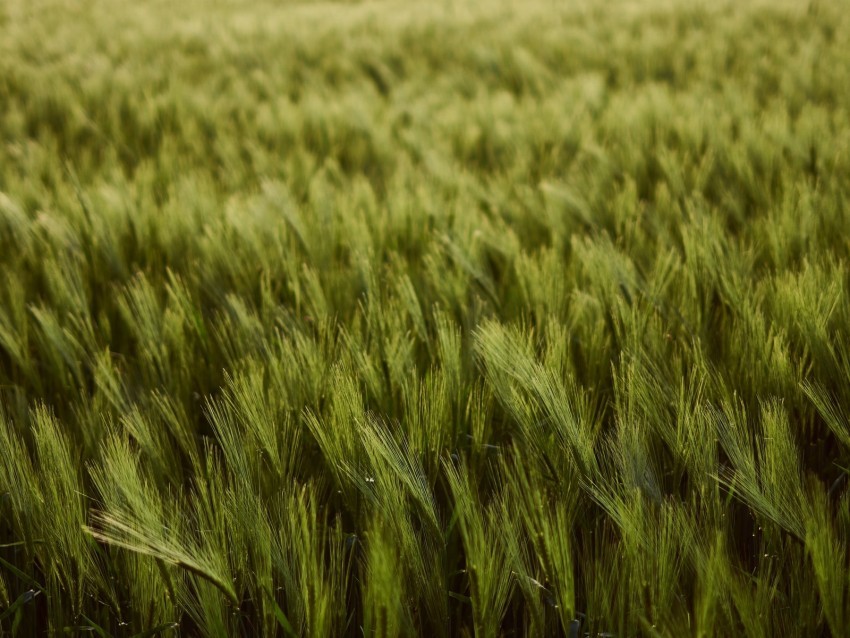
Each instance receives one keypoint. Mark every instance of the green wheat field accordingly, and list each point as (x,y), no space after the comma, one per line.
(457,318)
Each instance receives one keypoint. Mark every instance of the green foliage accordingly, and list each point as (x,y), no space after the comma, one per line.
(444,319)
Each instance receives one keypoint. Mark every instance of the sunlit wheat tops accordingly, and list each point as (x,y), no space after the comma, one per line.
(394,319)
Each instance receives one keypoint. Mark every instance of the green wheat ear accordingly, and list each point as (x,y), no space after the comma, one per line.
(393,319)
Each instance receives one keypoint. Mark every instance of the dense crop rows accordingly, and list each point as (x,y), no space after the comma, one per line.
(390,318)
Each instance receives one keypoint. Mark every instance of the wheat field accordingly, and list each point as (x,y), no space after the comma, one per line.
(476,318)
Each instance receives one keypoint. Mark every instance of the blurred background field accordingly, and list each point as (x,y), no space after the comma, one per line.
(489,318)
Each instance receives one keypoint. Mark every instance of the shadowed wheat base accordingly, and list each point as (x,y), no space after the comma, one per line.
(382,319)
